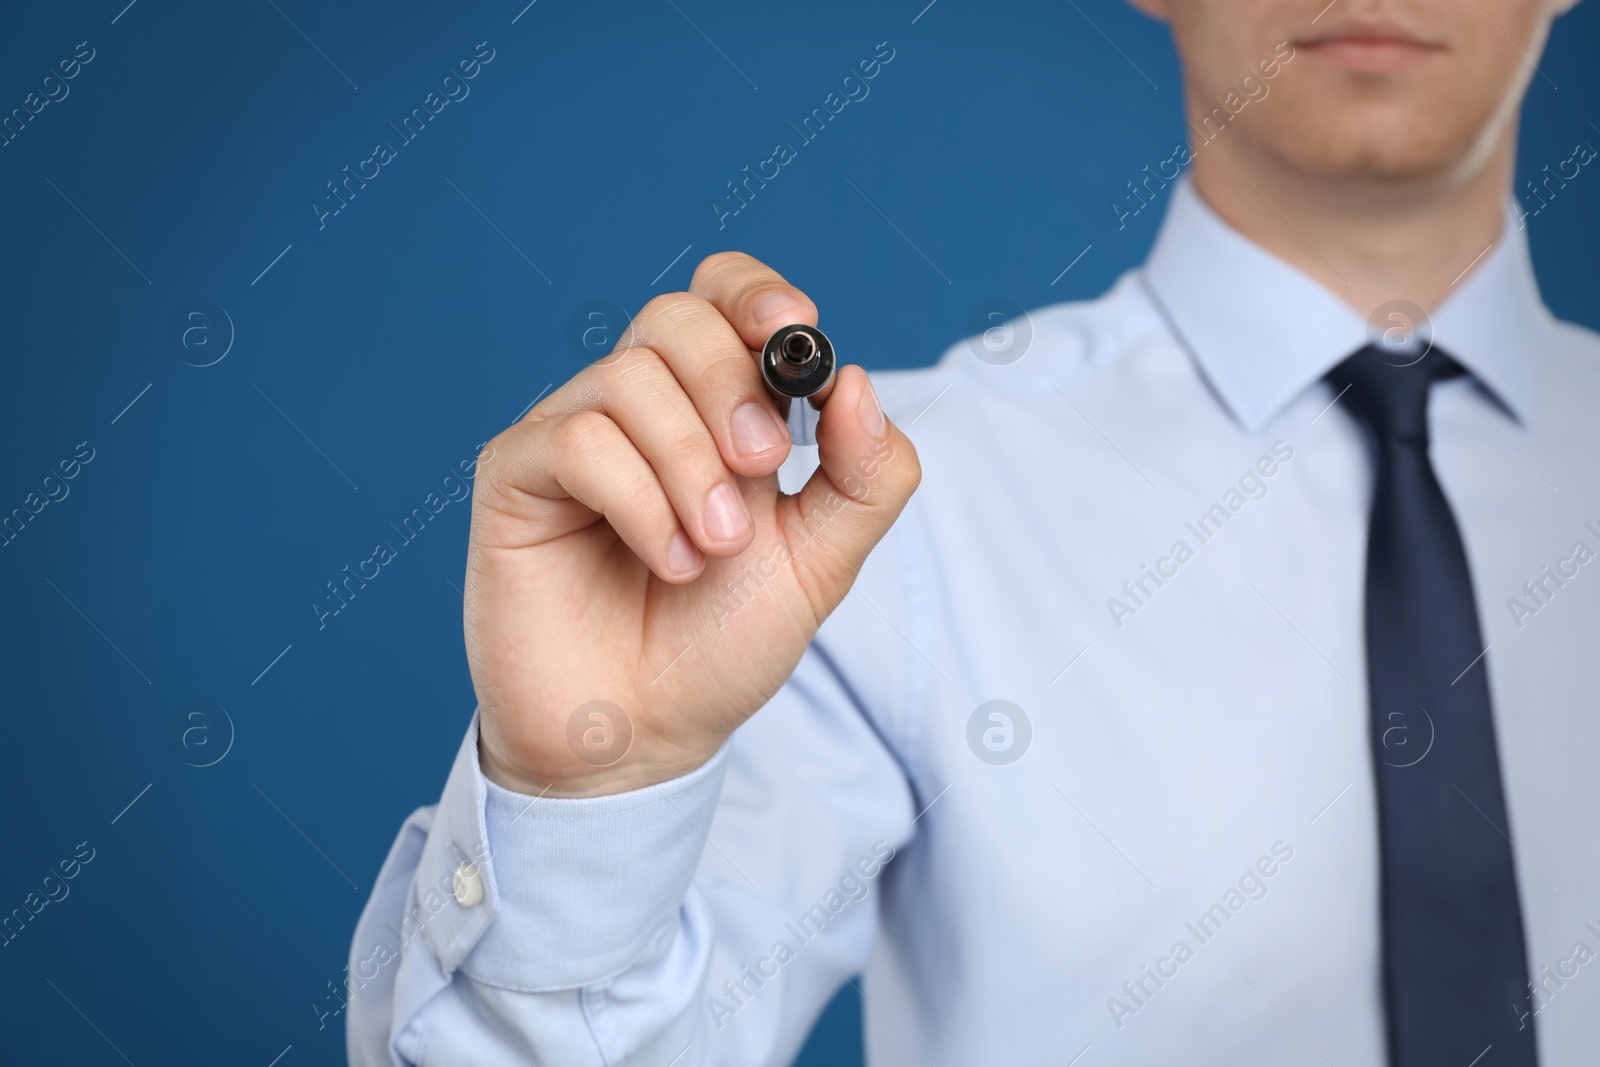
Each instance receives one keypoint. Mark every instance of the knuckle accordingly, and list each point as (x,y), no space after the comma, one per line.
(632,340)
(718,264)
(734,280)
(490,485)
(499,444)
(642,363)
(671,309)
(693,450)
(913,475)
(490,481)
(583,436)
(730,382)
(903,470)
(644,500)
(890,473)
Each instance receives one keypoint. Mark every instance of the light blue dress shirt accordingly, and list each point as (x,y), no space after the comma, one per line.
(1145,538)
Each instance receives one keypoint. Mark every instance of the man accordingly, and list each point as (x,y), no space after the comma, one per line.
(1223,696)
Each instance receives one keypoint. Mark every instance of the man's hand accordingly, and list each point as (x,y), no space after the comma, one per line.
(637,586)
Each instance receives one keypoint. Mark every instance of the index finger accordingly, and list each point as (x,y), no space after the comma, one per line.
(755,299)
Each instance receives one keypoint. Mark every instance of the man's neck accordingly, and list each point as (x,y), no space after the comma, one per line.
(1369,243)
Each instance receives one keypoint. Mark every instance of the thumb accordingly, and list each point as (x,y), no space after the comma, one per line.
(868,471)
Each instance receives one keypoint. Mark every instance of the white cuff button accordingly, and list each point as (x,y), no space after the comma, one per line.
(468,886)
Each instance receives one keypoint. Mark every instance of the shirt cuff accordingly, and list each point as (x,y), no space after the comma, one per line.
(573,890)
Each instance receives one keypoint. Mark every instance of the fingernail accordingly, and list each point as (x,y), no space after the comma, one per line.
(682,556)
(726,519)
(754,429)
(870,412)
(776,304)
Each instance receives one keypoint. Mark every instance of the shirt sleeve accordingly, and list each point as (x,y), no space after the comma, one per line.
(704,920)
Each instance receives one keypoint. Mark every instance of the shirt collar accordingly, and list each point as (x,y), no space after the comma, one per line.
(1262,332)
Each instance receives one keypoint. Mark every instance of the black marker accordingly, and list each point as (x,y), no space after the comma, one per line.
(797,363)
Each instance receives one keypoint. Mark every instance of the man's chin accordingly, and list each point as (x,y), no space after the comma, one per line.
(1366,147)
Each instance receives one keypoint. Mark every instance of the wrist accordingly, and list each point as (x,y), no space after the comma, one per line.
(584,781)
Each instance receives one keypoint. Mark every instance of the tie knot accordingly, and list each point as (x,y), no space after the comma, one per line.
(1388,391)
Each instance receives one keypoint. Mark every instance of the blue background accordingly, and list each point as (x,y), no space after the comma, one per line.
(379,350)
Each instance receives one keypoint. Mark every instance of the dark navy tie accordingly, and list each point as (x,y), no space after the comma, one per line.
(1455,969)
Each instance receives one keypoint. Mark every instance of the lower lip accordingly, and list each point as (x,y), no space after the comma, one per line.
(1371,56)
